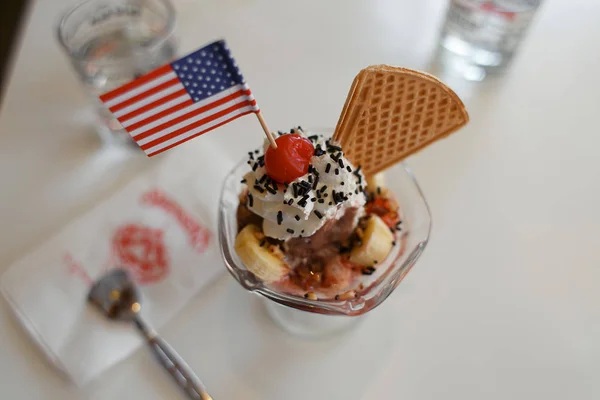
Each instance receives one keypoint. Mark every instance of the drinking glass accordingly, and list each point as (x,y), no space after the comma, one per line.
(483,35)
(306,317)
(111,42)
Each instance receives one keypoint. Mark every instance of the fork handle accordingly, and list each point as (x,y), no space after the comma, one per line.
(173,363)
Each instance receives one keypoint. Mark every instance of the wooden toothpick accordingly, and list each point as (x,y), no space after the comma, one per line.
(266,129)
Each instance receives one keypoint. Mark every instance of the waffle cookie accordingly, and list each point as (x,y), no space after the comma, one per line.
(391,113)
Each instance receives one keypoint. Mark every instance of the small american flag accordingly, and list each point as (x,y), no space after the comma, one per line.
(182,100)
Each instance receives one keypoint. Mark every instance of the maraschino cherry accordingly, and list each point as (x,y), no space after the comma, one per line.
(291,158)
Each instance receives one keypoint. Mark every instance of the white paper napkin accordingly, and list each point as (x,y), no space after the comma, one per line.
(161,226)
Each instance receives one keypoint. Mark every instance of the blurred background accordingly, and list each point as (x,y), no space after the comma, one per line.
(12,15)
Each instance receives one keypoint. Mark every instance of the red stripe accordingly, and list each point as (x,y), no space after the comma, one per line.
(199,133)
(159,115)
(196,124)
(138,82)
(189,115)
(152,105)
(143,95)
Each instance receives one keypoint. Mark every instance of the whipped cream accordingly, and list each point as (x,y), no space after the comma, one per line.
(331,186)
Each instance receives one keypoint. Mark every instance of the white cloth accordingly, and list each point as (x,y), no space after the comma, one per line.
(161,226)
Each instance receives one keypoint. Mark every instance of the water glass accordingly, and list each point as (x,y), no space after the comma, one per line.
(484,34)
(111,42)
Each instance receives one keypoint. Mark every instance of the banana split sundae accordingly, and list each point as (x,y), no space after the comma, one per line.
(309,222)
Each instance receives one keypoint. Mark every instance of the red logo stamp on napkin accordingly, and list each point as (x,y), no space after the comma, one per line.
(141,250)
(198,235)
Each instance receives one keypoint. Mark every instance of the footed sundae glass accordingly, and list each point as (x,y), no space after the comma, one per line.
(313,318)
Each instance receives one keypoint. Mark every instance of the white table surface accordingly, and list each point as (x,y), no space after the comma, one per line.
(504,304)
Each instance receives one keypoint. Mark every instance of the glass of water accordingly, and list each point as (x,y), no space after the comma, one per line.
(484,34)
(111,42)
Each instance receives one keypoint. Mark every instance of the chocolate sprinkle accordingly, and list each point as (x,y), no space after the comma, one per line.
(279,217)
(270,189)
(302,202)
(340,162)
(243,180)
(314,185)
(321,201)
(368,271)
(250,200)
(297,217)
(255,166)
(262,242)
(327,168)
(251,155)
(259,188)
(319,151)
(348,168)
(313,137)
(343,183)
(337,171)
(323,188)
(291,231)
(318,214)
(262,179)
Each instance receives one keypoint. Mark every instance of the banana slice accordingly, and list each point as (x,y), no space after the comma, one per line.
(375,181)
(259,260)
(376,243)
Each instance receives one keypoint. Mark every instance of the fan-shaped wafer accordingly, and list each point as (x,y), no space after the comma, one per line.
(391,113)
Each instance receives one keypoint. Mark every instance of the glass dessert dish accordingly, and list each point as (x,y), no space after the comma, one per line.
(311,316)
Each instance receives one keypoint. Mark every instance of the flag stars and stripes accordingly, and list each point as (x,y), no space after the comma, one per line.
(173,103)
